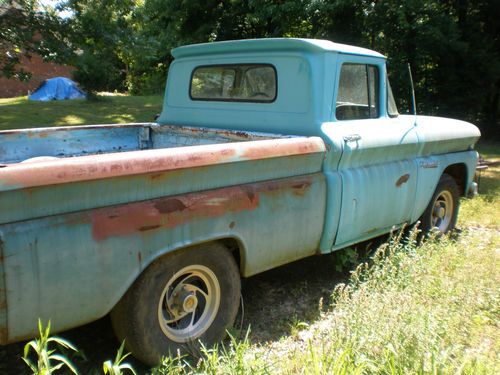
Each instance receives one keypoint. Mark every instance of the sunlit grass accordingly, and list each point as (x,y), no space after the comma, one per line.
(485,209)
(16,100)
(18,113)
(70,120)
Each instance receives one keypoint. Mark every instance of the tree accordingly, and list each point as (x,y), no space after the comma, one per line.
(98,31)
(25,29)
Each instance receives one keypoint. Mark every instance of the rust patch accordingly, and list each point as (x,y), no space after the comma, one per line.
(249,191)
(170,205)
(43,134)
(242,134)
(169,212)
(301,188)
(155,176)
(149,227)
(403,179)
(150,216)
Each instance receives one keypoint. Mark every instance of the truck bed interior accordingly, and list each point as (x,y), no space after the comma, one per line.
(31,145)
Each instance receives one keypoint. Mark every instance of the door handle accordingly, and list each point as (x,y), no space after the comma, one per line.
(352,138)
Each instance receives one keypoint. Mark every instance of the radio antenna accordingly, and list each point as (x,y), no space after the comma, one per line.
(413,101)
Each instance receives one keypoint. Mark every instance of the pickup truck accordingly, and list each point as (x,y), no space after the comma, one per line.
(266,151)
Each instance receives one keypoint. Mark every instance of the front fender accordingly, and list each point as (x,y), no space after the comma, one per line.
(430,170)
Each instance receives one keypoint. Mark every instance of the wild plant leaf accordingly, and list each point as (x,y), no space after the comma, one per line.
(64,361)
(30,365)
(62,342)
(128,367)
(107,366)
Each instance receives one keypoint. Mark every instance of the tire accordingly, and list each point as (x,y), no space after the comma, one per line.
(179,300)
(442,211)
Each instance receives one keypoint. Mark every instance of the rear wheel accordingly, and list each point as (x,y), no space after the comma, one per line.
(442,211)
(181,299)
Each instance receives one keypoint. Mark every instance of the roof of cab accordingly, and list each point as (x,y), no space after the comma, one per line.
(270,44)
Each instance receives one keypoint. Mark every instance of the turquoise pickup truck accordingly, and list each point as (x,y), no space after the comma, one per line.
(266,151)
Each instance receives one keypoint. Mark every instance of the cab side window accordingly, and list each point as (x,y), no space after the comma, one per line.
(358,97)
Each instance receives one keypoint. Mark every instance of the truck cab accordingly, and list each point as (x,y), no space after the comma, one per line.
(381,167)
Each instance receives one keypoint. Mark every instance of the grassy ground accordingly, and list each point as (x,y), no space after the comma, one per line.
(18,113)
(428,310)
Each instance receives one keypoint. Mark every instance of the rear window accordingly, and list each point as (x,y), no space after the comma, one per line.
(234,83)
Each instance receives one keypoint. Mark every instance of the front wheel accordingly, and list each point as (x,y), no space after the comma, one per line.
(442,211)
(179,300)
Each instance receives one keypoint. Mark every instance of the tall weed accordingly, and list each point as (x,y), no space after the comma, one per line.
(47,360)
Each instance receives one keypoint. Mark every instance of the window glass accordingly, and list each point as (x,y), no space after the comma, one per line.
(242,82)
(357,96)
(392,109)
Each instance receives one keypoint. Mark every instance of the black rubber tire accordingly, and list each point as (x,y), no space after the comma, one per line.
(135,317)
(446,184)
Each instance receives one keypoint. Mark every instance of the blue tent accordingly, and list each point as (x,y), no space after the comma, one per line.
(58,88)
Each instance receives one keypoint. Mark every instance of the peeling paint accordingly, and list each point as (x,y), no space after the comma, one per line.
(168,212)
(149,216)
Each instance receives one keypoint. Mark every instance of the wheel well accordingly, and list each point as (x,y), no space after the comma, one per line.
(235,248)
(459,174)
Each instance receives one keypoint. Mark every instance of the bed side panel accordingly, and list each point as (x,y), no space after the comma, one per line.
(73,268)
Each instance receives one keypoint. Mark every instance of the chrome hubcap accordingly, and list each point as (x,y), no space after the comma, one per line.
(189,303)
(443,211)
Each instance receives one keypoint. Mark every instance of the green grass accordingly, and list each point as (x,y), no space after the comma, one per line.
(18,113)
(483,211)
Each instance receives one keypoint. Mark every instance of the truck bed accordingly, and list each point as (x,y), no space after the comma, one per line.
(50,171)
(22,145)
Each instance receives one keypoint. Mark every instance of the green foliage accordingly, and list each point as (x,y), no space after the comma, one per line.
(117,367)
(48,361)
(345,259)
(233,358)
(100,32)
(24,30)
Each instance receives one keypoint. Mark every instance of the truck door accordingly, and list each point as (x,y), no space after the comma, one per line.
(377,167)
